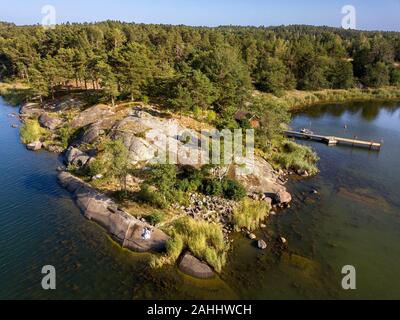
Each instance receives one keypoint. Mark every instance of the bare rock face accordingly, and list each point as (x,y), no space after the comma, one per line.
(192,266)
(34,146)
(30,110)
(125,229)
(49,122)
(76,157)
(91,115)
(148,138)
(260,178)
(63,104)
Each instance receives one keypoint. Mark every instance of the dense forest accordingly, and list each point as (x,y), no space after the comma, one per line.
(196,67)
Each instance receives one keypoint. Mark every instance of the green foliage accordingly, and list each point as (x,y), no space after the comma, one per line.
(153,196)
(395,76)
(205,240)
(273,115)
(227,188)
(292,156)
(161,188)
(250,214)
(273,76)
(115,161)
(95,168)
(155,218)
(233,189)
(65,134)
(174,246)
(31,131)
(195,67)
(377,75)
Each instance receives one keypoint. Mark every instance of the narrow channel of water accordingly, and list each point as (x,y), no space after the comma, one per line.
(353,220)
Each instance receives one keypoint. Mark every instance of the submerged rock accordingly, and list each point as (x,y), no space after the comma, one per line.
(192,266)
(283,197)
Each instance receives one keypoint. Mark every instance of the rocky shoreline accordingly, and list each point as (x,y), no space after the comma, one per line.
(124,228)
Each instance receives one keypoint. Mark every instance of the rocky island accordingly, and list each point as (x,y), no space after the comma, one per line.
(128,124)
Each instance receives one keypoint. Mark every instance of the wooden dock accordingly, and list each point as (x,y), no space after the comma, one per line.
(333,141)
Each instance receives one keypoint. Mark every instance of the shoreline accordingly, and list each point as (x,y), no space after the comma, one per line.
(297,100)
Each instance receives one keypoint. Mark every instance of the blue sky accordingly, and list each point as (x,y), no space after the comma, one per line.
(371,14)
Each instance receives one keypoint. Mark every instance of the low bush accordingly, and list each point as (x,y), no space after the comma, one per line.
(233,189)
(155,218)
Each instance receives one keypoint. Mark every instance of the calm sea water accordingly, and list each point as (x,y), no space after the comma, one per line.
(354,220)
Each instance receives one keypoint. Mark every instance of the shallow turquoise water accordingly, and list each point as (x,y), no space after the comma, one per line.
(355,219)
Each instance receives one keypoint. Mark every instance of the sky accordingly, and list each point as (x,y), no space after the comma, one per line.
(370,14)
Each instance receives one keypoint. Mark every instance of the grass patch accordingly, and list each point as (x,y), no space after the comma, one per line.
(205,240)
(31,131)
(296,157)
(296,99)
(250,214)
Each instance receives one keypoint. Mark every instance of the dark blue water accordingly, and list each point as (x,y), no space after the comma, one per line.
(355,219)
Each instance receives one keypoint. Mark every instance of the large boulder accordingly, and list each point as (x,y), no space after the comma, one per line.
(49,122)
(192,266)
(76,157)
(91,115)
(258,176)
(283,197)
(34,146)
(31,110)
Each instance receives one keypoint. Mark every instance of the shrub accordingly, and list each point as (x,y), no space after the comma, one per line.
(32,131)
(95,168)
(233,189)
(155,218)
(250,214)
(152,196)
(212,187)
(65,135)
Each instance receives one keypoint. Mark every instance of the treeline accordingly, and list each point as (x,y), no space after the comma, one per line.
(196,68)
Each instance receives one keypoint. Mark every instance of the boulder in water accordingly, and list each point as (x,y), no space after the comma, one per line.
(192,266)
(34,146)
